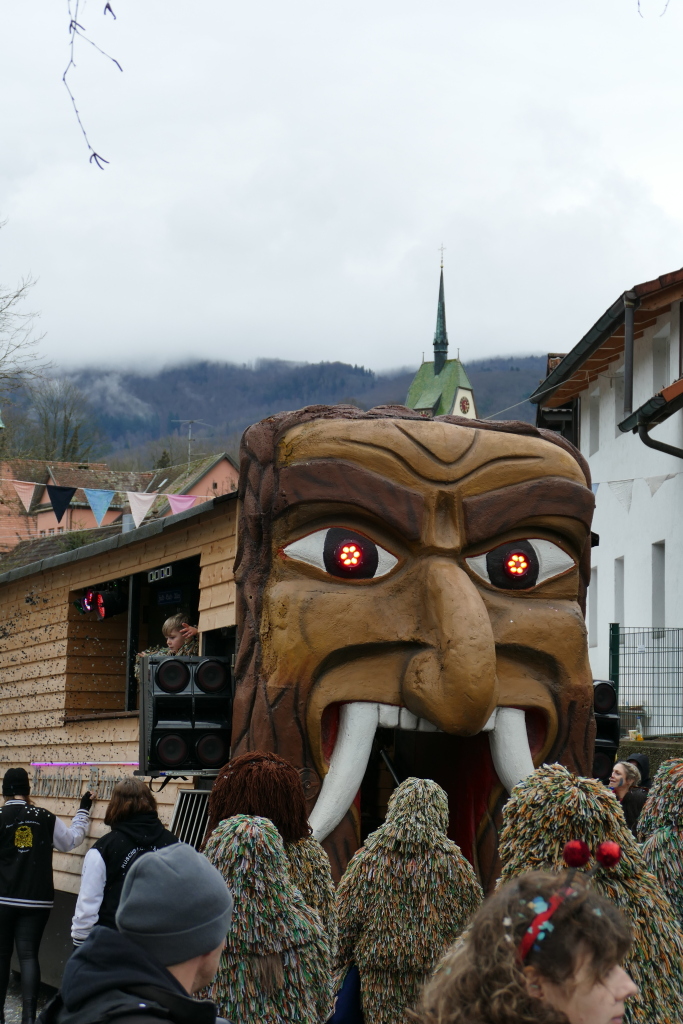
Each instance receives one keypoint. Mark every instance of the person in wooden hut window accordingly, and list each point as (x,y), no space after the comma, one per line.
(181,640)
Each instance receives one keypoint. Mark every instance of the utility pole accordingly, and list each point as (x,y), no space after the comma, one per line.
(189,436)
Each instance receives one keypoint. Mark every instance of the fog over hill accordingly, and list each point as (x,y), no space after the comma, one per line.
(134,409)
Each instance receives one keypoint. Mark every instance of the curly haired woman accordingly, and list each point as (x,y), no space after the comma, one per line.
(275,968)
(573,976)
(263,784)
(404,898)
(550,808)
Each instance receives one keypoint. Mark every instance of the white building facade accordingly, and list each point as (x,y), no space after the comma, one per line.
(637,565)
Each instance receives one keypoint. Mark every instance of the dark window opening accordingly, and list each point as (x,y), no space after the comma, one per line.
(155,595)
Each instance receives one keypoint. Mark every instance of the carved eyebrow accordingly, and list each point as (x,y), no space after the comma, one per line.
(495,511)
(333,480)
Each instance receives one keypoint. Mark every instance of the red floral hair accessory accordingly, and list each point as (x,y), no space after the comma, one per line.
(576,855)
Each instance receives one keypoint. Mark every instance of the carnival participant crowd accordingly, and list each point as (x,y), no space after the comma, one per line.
(583,927)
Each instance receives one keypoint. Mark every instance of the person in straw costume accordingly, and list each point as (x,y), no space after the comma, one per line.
(552,807)
(275,968)
(405,897)
(265,785)
(660,829)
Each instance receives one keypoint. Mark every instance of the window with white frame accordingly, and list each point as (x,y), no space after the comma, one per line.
(594,422)
(618,386)
(619,590)
(593,608)
(661,370)
(659,584)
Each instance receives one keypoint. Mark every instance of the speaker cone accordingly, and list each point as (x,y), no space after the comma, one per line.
(212,750)
(212,676)
(173,675)
(172,750)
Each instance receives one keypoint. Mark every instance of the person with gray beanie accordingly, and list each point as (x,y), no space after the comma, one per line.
(173,917)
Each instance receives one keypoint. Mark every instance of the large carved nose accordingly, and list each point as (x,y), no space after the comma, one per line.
(452,681)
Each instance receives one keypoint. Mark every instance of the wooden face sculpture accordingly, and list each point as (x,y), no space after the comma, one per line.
(424,577)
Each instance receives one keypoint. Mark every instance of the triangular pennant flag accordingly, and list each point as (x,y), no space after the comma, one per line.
(25,492)
(595,488)
(623,492)
(99,501)
(655,482)
(60,498)
(181,502)
(140,504)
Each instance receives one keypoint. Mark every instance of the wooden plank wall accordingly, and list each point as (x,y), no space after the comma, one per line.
(56,663)
(95,662)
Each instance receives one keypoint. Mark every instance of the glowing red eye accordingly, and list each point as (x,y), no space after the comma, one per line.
(350,555)
(516,564)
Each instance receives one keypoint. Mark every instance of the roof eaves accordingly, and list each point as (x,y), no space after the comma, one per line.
(120,540)
(599,333)
(657,409)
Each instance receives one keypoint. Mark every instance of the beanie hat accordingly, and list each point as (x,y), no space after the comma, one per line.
(174,904)
(16,781)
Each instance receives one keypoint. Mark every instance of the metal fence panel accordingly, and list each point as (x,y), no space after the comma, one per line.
(650,683)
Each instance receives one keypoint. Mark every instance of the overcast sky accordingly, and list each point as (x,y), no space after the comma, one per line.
(282,173)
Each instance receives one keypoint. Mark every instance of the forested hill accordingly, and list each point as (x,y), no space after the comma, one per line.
(135,408)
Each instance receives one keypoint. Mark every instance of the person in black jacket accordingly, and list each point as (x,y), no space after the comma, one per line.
(173,917)
(28,834)
(135,829)
(624,783)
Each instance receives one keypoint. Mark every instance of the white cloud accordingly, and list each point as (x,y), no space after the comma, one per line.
(282,174)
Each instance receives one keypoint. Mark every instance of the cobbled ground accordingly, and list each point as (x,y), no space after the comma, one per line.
(13,1001)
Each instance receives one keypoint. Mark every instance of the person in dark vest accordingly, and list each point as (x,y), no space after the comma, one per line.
(135,829)
(28,835)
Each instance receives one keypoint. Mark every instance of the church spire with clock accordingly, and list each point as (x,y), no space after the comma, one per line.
(442,387)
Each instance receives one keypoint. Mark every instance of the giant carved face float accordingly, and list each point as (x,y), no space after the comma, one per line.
(420,580)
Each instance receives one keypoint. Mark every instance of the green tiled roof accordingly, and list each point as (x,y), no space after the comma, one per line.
(427,389)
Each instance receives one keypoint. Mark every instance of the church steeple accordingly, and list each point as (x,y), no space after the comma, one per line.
(441,388)
(440,335)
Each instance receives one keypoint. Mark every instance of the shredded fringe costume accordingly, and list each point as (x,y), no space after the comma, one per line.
(660,829)
(551,807)
(269,917)
(311,874)
(262,784)
(405,897)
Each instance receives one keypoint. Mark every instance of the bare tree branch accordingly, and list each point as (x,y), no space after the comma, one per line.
(18,362)
(77,31)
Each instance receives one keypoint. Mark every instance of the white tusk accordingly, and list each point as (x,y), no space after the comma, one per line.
(357,725)
(510,747)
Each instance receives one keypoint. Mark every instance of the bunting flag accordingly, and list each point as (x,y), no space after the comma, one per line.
(25,492)
(655,482)
(181,502)
(595,487)
(60,498)
(99,501)
(140,504)
(623,492)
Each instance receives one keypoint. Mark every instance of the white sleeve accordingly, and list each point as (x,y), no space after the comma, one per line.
(93,879)
(66,839)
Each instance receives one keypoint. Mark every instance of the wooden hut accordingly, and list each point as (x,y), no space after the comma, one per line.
(68,692)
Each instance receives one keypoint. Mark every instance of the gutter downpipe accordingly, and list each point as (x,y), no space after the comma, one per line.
(630,302)
(657,445)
